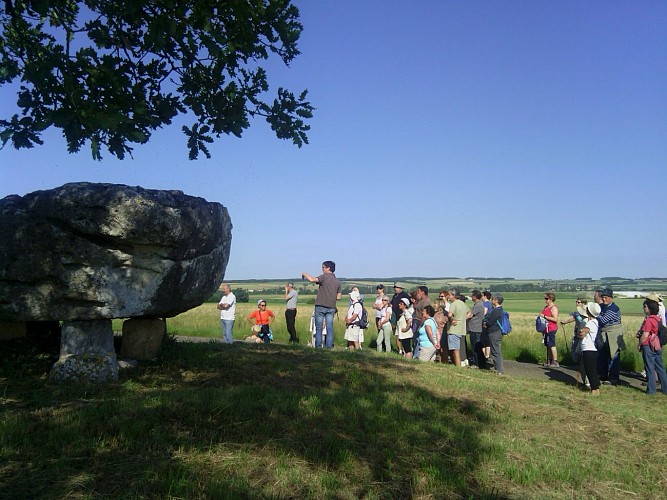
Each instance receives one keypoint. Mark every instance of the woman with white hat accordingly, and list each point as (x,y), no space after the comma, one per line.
(589,354)
(352,318)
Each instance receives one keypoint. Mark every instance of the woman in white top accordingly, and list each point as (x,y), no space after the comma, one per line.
(384,325)
(589,354)
(404,328)
(352,321)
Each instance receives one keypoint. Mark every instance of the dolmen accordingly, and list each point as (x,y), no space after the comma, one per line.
(86,253)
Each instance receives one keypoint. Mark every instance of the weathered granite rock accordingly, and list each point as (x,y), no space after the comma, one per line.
(86,353)
(142,338)
(94,251)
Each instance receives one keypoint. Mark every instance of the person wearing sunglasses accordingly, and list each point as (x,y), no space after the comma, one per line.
(261,320)
(550,313)
(385,332)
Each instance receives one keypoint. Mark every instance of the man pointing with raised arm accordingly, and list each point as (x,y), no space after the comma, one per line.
(325,303)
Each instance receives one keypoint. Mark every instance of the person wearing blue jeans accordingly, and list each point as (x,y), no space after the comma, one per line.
(227,308)
(324,315)
(328,293)
(609,359)
(649,344)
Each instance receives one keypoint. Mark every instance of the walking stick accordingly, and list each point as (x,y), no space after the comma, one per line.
(567,347)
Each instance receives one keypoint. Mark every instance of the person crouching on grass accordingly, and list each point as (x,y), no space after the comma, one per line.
(352,321)
(261,320)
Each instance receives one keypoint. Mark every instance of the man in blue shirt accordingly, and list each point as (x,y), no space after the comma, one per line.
(609,359)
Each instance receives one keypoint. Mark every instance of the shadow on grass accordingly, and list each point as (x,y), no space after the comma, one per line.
(527,356)
(246,421)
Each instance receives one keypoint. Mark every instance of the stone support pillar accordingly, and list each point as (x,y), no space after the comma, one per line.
(86,353)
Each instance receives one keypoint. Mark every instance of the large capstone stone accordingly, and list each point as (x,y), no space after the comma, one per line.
(88,251)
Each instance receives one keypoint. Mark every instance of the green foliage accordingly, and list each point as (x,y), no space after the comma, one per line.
(242,295)
(110,73)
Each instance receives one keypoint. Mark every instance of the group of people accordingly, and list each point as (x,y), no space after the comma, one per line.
(421,330)
(598,339)
(440,331)
(449,331)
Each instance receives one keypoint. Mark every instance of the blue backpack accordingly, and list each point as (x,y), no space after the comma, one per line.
(504,323)
(541,324)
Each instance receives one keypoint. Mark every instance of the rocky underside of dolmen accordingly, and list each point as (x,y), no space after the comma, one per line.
(87,253)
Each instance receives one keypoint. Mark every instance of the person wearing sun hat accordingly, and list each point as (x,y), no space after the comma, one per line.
(589,354)
(352,320)
(609,360)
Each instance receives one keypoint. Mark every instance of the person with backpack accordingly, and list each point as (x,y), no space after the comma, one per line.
(352,319)
(611,329)
(588,361)
(492,333)
(649,345)
(550,313)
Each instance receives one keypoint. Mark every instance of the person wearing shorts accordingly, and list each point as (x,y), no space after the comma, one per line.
(550,313)
(458,313)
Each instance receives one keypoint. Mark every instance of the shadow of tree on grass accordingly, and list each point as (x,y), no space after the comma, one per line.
(244,421)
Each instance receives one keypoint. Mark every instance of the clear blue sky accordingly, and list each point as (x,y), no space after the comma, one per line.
(451,138)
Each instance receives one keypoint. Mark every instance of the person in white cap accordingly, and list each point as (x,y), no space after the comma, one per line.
(352,321)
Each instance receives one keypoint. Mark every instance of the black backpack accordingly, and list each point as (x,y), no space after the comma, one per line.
(362,321)
(599,342)
(662,333)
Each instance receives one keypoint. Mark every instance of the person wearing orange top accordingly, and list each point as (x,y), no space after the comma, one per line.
(261,320)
